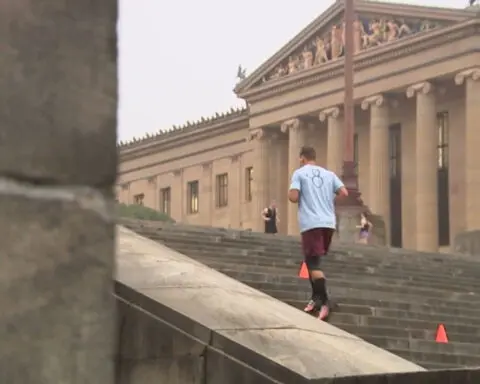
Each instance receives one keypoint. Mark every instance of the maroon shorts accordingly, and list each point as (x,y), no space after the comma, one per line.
(316,242)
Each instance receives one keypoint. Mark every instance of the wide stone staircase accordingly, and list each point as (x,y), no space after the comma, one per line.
(392,298)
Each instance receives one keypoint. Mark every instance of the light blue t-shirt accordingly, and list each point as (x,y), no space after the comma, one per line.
(317,188)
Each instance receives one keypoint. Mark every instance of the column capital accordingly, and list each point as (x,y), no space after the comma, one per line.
(262,134)
(256,134)
(292,124)
(472,73)
(329,112)
(424,87)
(377,100)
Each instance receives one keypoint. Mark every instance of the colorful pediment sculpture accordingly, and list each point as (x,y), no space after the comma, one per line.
(329,44)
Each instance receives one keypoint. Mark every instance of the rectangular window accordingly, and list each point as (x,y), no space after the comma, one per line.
(192,197)
(222,190)
(138,199)
(165,200)
(248,183)
(442,144)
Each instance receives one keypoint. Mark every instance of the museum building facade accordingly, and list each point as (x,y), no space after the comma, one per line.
(417,133)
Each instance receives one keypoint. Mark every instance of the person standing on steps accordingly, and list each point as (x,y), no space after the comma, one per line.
(314,189)
(365,227)
(270,216)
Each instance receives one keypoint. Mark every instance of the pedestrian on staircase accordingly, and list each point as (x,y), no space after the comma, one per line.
(314,189)
(270,217)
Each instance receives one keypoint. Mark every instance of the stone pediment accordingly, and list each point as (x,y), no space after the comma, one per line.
(322,41)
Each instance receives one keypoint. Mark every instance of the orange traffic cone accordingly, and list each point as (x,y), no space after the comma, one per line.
(441,334)
(303,273)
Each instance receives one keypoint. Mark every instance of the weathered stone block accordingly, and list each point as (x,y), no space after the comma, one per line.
(468,243)
(57,317)
(58,91)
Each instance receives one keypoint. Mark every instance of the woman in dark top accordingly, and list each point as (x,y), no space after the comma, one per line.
(270,216)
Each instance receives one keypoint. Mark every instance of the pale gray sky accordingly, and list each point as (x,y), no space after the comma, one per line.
(179,59)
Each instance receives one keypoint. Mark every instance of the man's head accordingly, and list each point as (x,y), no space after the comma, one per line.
(307,155)
(273,204)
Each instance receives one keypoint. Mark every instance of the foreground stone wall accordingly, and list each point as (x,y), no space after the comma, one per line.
(58,101)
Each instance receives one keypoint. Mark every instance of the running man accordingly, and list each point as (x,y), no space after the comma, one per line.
(314,189)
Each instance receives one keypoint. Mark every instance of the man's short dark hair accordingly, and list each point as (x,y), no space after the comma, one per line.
(308,153)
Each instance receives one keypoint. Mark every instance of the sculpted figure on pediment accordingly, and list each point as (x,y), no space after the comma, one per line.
(368,31)
(427,25)
(336,41)
(374,36)
(321,55)
(278,72)
(307,58)
(358,32)
(404,29)
(293,63)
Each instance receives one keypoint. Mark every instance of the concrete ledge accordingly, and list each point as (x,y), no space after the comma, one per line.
(245,325)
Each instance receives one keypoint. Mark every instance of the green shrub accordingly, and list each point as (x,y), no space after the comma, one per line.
(136,211)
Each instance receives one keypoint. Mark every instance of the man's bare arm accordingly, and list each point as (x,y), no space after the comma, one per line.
(342,192)
(293,195)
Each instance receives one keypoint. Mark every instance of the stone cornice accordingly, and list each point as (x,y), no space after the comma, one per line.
(329,112)
(183,136)
(368,58)
(472,73)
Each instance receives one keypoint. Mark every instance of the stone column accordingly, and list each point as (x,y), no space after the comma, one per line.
(207,195)
(235,196)
(426,171)
(471,79)
(334,139)
(296,140)
(261,185)
(379,178)
(58,162)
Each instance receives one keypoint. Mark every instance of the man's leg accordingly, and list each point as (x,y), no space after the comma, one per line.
(311,304)
(321,240)
(306,244)
(319,288)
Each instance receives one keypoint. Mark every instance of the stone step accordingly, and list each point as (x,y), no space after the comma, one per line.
(404,328)
(417,276)
(193,230)
(441,316)
(367,286)
(335,257)
(293,246)
(450,283)
(447,360)
(390,343)
(303,290)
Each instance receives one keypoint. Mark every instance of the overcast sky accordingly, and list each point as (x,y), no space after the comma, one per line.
(179,59)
